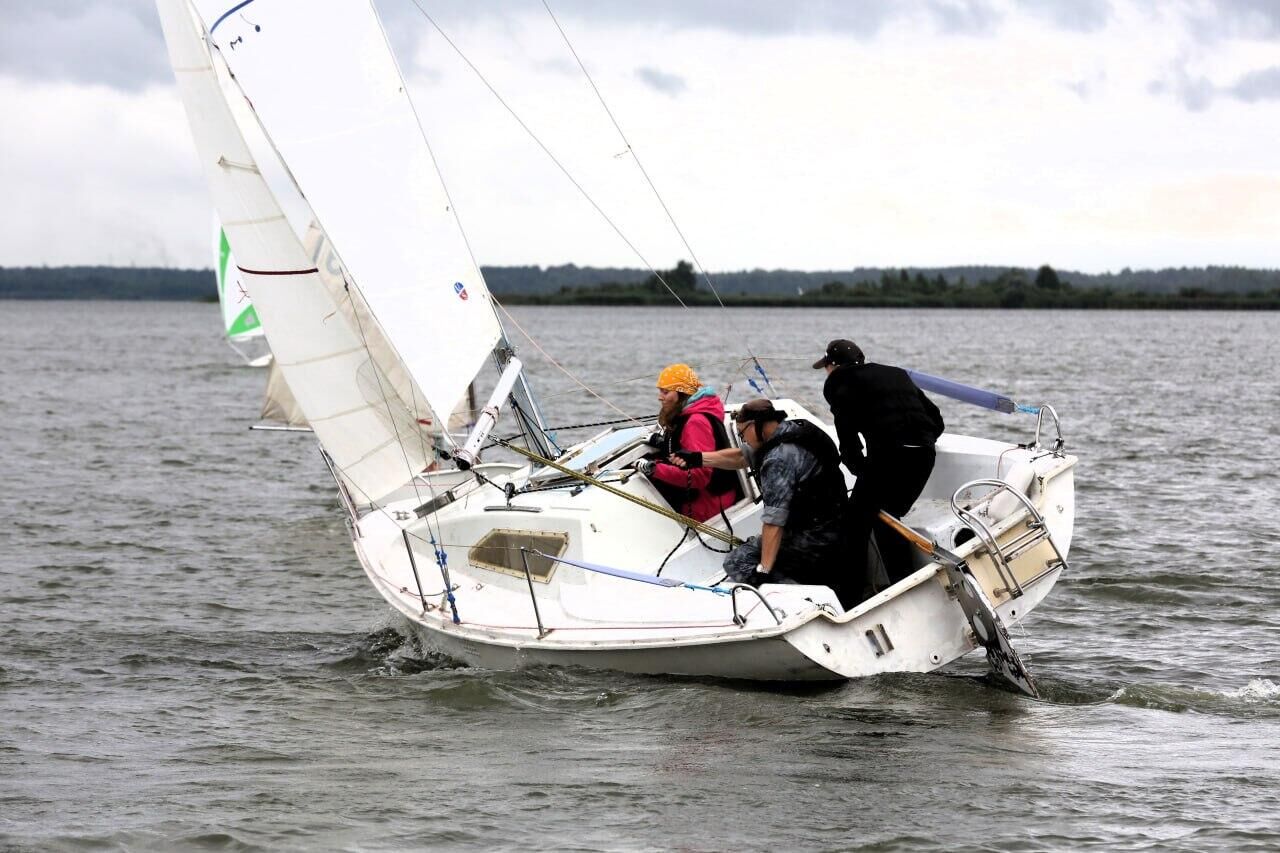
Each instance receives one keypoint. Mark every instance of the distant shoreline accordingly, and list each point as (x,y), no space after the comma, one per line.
(1206,288)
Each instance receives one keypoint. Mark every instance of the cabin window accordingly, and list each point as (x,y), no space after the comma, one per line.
(500,551)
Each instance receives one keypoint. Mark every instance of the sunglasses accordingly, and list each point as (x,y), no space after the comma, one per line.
(743,432)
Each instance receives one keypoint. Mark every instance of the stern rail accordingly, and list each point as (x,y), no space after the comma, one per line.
(1002,556)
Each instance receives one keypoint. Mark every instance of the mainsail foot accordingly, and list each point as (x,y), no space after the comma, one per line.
(988,627)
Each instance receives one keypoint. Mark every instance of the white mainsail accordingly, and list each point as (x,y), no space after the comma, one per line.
(353,145)
(375,439)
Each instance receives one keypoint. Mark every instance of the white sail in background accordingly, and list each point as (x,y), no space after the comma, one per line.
(239,319)
(349,135)
(278,404)
(373,437)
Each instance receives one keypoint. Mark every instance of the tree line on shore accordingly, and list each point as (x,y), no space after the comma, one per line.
(1012,288)
(989,287)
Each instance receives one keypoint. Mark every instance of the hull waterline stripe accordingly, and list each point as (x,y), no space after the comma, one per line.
(276,272)
(228,14)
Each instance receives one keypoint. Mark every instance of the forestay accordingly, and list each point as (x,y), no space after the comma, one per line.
(371,435)
(331,100)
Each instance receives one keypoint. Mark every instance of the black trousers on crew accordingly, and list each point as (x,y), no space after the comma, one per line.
(891,479)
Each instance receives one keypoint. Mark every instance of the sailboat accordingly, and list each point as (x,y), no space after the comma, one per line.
(564,556)
(240,323)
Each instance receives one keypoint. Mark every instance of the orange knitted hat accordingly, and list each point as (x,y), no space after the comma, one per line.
(679,377)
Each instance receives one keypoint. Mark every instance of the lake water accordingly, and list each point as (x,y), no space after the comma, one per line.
(191,658)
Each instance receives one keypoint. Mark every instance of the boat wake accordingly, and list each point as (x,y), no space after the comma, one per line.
(393,651)
(1260,697)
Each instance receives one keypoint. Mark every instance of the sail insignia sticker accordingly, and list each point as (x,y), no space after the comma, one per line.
(461,290)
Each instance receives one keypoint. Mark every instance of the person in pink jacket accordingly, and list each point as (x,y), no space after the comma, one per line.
(692,418)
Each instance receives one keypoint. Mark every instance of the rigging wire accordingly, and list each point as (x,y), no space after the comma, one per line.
(634,156)
(557,364)
(652,186)
(520,121)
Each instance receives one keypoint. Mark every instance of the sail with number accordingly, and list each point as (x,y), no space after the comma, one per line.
(377,439)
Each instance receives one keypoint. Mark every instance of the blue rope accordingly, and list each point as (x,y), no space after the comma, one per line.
(763,375)
(442,560)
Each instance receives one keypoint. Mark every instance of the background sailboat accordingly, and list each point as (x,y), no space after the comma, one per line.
(240,321)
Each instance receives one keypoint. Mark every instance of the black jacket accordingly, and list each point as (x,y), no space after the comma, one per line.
(819,497)
(884,405)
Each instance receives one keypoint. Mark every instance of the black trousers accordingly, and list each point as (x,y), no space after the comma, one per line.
(891,479)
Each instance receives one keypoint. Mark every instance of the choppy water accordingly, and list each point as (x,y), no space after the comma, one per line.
(191,658)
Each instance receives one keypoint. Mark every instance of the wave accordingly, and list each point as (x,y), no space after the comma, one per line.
(1259,697)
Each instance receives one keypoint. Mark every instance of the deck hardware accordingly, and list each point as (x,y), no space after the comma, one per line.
(885,635)
(875,642)
(524,560)
(1059,443)
(413,564)
(738,618)
(435,503)
(348,504)
(1002,556)
(826,648)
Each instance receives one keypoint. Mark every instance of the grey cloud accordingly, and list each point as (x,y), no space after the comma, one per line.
(1234,19)
(563,67)
(1082,16)
(863,19)
(1086,87)
(113,44)
(1262,85)
(965,17)
(118,43)
(667,84)
(1195,92)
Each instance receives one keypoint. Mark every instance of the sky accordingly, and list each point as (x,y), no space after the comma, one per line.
(1091,135)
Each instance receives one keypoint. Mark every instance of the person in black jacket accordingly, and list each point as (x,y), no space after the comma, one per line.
(880,405)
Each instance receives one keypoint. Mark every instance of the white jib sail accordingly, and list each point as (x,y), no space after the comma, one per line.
(373,437)
(323,82)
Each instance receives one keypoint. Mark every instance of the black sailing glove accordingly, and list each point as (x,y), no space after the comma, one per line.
(691,458)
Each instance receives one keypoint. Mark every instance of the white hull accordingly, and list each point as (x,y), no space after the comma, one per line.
(601,621)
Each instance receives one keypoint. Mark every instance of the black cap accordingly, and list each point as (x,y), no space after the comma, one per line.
(841,352)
